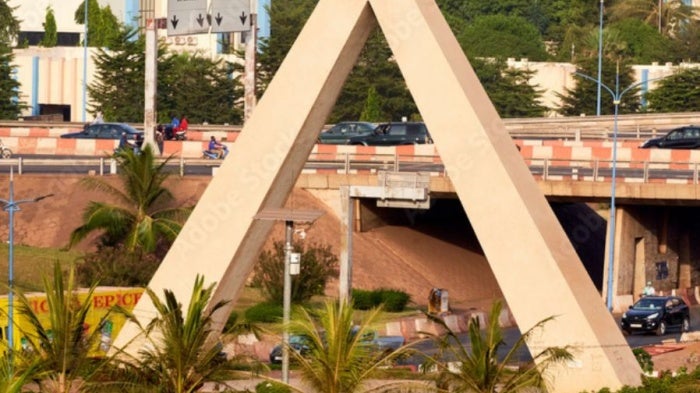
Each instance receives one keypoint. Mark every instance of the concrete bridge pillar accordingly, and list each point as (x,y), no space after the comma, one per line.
(684,265)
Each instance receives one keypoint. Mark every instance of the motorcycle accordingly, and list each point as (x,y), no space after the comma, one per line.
(212,155)
(169,134)
(5,151)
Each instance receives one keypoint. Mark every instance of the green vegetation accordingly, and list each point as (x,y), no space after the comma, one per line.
(58,354)
(267,312)
(481,369)
(338,360)
(144,217)
(318,264)
(50,34)
(31,263)
(391,300)
(676,93)
(103,25)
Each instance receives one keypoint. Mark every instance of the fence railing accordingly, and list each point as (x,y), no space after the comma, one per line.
(548,169)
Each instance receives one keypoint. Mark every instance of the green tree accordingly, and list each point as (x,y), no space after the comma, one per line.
(480,369)
(503,36)
(10,105)
(643,44)
(286,21)
(666,16)
(317,265)
(9,25)
(686,45)
(371,111)
(103,26)
(375,68)
(50,31)
(509,89)
(180,355)
(677,93)
(339,360)
(144,216)
(582,99)
(59,349)
(188,84)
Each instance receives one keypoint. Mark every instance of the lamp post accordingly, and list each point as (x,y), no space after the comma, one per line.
(289,216)
(11,206)
(617,97)
(600,58)
(85,61)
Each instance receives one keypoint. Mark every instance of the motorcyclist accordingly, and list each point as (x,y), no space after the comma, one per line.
(215,148)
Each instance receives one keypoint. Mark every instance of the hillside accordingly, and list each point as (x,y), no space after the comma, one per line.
(411,258)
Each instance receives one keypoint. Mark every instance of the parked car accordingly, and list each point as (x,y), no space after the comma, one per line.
(392,134)
(656,314)
(376,343)
(105,131)
(687,137)
(299,343)
(341,133)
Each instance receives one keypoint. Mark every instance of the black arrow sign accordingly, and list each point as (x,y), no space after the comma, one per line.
(243,17)
(174,22)
(218,18)
(200,20)
(209,19)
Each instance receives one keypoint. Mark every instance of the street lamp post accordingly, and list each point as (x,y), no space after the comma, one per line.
(289,216)
(600,58)
(11,206)
(617,98)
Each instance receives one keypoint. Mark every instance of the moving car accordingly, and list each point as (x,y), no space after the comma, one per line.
(687,137)
(393,134)
(341,133)
(105,131)
(656,314)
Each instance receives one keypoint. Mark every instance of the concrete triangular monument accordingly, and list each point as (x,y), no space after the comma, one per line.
(535,264)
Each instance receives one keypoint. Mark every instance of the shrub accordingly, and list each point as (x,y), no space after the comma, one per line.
(393,300)
(264,312)
(318,264)
(271,387)
(644,359)
(117,266)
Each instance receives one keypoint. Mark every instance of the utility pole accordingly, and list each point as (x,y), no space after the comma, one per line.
(251,51)
(151,77)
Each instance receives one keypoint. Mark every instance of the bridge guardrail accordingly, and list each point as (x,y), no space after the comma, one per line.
(548,169)
(638,126)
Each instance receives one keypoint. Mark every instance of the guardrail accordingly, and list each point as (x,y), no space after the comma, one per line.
(636,126)
(596,170)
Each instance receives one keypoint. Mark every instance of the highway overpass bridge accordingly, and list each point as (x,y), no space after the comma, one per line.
(657,192)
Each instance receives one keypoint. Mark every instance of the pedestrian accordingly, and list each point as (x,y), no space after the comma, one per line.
(648,290)
(98,118)
(159,138)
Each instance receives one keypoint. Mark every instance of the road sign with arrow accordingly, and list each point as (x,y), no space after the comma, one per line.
(228,15)
(186,17)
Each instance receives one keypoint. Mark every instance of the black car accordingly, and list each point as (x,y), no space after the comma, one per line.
(105,131)
(656,314)
(393,134)
(687,137)
(341,133)
(298,343)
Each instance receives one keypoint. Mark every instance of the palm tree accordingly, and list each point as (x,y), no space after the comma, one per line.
(58,348)
(339,360)
(666,15)
(480,369)
(13,380)
(143,215)
(179,354)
